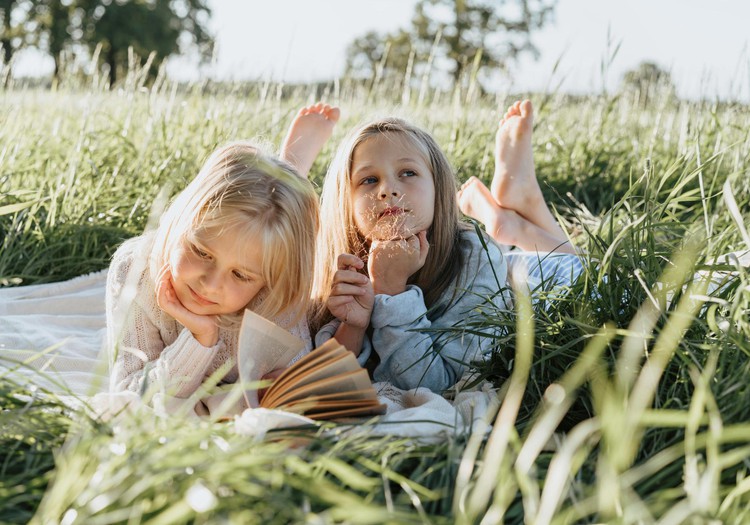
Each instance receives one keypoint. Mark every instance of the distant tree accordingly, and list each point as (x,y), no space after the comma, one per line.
(365,54)
(165,27)
(489,32)
(17,28)
(646,73)
(59,26)
(646,80)
(9,30)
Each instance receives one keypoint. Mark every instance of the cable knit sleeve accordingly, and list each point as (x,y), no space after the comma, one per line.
(147,346)
(425,348)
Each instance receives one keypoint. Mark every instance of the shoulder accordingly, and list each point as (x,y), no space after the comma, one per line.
(130,258)
(484,262)
(478,246)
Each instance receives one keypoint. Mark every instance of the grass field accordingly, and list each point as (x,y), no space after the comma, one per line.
(641,383)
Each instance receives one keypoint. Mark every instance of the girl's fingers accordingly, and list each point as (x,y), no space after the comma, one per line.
(166,289)
(165,297)
(161,287)
(412,243)
(345,261)
(165,274)
(349,277)
(164,282)
(337,301)
(424,246)
(340,289)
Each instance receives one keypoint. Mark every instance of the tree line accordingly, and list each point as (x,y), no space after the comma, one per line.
(464,39)
(455,36)
(107,28)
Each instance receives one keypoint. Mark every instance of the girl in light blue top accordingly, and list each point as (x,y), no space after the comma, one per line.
(397,264)
(397,269)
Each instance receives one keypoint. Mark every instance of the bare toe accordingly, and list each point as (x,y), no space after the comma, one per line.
(333,114)
(309,131)
(514,110)
(526,109)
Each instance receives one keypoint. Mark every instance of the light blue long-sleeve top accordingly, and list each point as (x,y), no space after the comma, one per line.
(407,337)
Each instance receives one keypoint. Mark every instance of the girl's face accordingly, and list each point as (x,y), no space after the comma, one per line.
(217,272)
(393,193)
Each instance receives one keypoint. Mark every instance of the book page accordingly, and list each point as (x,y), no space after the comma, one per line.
(318,357)
(328,381)
(329,365)
(368,394)
(263,346)
(355,380)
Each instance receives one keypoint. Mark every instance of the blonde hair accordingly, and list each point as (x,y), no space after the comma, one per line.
(240,186)
(338,233)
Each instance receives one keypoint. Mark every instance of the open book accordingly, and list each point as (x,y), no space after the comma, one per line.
(327,383)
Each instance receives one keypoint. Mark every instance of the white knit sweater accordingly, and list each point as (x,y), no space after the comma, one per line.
(151,347)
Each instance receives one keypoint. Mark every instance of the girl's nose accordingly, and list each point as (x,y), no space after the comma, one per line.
(211,280)
(388,190)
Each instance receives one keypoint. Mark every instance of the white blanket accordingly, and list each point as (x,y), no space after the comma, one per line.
(52,336)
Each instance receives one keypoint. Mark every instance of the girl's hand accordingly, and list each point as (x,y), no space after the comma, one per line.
(392,262)
(203,327)
(351,296)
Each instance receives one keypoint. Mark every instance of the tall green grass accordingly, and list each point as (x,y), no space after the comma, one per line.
(623,400)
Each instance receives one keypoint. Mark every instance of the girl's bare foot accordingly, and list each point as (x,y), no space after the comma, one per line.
(514,184)
(475,201)
(506,227)
(310,130)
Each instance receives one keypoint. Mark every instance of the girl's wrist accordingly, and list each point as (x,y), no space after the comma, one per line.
(352,325)
(207,339)
(351,337)
(389,288)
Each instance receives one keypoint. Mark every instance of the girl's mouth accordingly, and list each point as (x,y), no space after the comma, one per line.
(199,298)
(391,211)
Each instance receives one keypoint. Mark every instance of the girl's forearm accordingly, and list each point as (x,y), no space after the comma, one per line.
(351,337)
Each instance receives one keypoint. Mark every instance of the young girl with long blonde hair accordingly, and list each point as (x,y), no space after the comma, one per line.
(240,235)
(395,264)
(398,271)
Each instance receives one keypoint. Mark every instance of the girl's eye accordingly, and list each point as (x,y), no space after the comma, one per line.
(241,276)
(200,253)
(409,173)
(368,180)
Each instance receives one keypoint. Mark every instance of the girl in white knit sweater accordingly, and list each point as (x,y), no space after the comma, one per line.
(241,235)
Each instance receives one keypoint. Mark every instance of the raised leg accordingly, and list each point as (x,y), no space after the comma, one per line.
(310,130)
(514,184)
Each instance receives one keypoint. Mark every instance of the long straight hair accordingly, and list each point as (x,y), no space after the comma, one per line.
(339,234)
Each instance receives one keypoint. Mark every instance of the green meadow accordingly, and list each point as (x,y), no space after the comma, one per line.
(625,400)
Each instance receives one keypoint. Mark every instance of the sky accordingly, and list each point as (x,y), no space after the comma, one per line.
(703,43)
